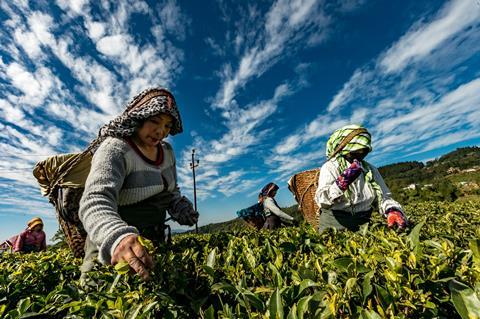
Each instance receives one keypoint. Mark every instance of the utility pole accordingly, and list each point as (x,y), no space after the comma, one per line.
(194,164)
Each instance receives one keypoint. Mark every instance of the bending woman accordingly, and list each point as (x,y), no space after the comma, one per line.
(32,239)
(273,213)
(349,186)
(133,183)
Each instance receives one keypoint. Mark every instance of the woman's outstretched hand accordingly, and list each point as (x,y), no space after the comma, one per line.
(131,251)
(396,218)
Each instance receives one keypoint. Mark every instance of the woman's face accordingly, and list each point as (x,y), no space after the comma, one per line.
(358,155)
(37,228)
(155,129)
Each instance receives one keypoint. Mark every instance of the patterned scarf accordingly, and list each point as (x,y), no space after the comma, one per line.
(268,189)
(148,103)
(360,141)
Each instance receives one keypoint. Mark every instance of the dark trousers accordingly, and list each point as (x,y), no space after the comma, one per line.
(272,222)
(341,220)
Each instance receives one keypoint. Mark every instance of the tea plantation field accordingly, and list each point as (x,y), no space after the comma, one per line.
(430,271)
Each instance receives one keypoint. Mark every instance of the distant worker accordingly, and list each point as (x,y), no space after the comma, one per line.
(32,239)
(348,186)
(132,184)
(273,213)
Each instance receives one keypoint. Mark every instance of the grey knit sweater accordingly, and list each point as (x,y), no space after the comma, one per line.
(119,176)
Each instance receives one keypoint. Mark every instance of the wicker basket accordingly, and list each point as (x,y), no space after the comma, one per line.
(303,186)
(66,207)
(62,179)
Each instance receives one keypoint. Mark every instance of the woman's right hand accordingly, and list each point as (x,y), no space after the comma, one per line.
(131,251)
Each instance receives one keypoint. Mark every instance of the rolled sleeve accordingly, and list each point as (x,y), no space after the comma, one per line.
(270,205)
(328,191)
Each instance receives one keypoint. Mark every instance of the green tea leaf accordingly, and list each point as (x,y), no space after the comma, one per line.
(306,283)
(212,257)
(414,235)
(147,243)
(23,306)
(384,296)
(276,305)
(122,267)
(254,300)
(367,286)
(369,314)
(475,248)
(303,306)
(465,300)
(349,285)
(209,313)
(292,314)
(343,263)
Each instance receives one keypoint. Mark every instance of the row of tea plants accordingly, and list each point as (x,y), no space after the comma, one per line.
(430,271)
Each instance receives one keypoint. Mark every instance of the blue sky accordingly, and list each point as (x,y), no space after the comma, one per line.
(260,86)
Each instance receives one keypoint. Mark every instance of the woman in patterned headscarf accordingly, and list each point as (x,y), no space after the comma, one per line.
(273,213)
(133,183)
(348,186)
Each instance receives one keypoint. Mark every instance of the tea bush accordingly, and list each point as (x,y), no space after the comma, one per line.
(431,271)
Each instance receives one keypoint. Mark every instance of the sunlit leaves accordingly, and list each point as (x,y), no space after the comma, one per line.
(431,270)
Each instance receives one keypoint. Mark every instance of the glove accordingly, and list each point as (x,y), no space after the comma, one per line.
(349,175)
(396,217)
(183,213)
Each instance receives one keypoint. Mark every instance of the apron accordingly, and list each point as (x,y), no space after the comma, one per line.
(341,220)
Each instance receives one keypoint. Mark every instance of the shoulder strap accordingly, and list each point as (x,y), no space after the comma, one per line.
(347,140)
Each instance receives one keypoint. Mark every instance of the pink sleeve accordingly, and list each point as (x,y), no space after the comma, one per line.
(44,242)
(18,244)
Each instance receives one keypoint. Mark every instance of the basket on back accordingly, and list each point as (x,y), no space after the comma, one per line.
(303,185)
(62,179)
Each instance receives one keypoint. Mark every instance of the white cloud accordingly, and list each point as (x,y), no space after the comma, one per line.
(216,48)
(35,86)
(287,25)
(76,7)
(10,113)
(430,104)
(114,45)
(173,19)
(29,42)
(359,78)
(47,107)
(322,126)
(243,134)
(455,17)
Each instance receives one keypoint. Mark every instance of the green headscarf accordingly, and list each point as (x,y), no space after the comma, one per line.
(359,141)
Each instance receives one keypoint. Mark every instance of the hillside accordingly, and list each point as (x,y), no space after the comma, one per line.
(239,224)
(453,175)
